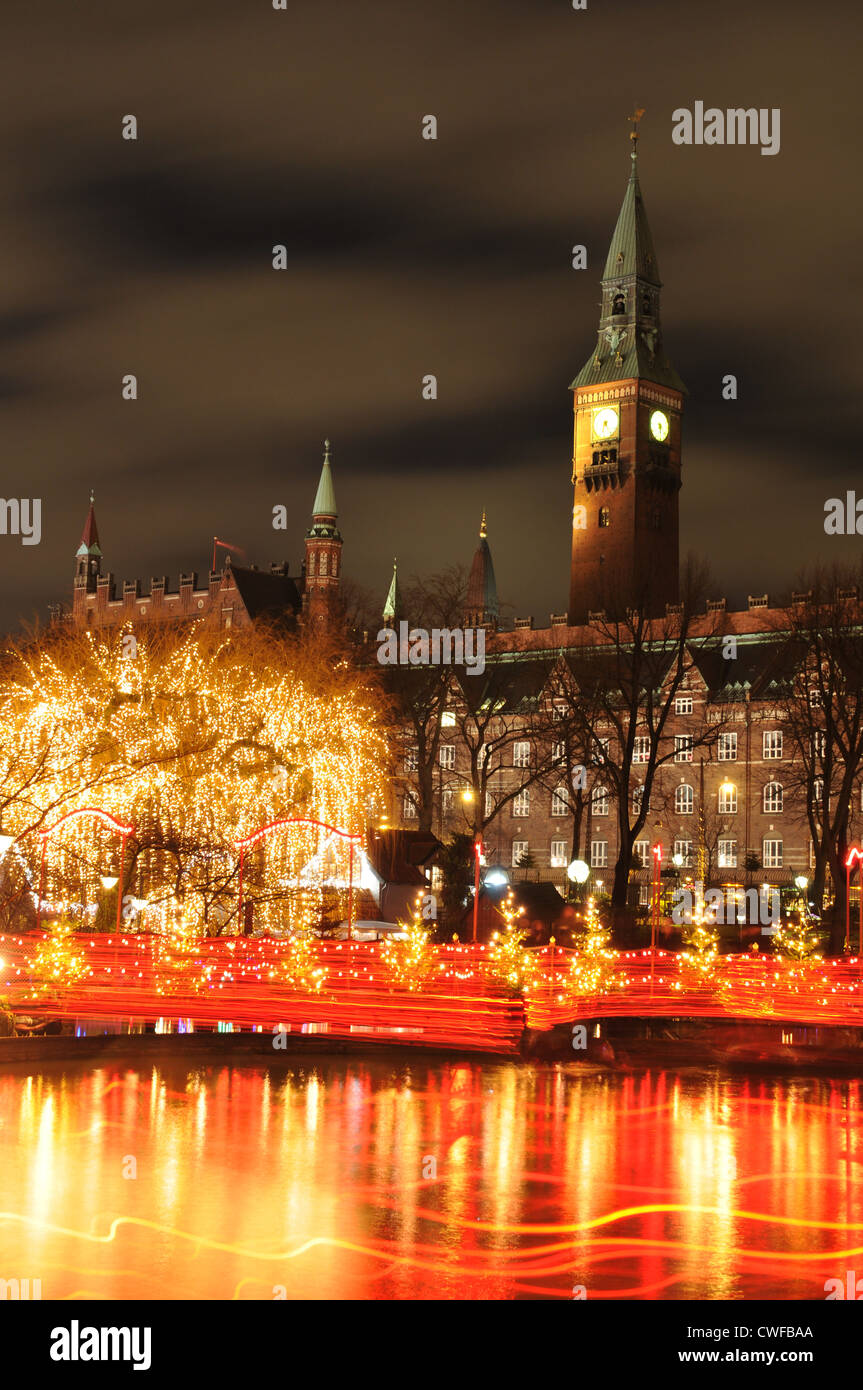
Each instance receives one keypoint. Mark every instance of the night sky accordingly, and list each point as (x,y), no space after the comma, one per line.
(302,127)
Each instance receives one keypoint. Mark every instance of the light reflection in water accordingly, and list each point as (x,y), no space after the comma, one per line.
(639,1184)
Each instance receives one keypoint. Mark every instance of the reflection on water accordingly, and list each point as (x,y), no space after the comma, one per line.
(319,1182)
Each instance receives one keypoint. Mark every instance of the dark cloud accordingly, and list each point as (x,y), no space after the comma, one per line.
(409,257)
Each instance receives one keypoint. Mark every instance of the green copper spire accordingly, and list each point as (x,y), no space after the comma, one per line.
(629,342)
(325,497)
(392,607)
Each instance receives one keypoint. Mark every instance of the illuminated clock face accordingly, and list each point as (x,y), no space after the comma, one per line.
(659,425)
(605,423)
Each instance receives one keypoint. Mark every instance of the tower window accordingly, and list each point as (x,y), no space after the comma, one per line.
(645,304)
(322,568)
(618,304)
(656,519)
(604,516)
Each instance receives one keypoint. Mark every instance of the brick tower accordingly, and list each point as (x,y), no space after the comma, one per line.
(627,400)
(323,565)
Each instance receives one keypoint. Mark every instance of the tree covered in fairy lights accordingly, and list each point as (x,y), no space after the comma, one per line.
(196,738)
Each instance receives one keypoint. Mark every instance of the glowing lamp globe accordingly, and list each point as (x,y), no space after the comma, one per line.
(108,881)
(578,871)
(6,842)
(496,878)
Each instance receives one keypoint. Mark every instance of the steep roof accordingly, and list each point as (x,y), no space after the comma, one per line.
(90,535)
(325,497)
(481,603)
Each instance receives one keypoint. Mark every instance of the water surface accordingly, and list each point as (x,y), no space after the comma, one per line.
(342,1179)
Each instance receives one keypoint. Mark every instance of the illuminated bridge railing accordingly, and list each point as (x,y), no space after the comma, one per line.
(454,1003)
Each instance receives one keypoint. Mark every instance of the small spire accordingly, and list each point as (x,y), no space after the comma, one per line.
(325,497)
(483,530)
(90,535)
(392,607)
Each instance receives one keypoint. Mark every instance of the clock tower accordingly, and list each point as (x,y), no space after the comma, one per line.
(628,401)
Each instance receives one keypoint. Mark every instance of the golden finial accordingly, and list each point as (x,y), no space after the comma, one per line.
(483,532)
(633,135)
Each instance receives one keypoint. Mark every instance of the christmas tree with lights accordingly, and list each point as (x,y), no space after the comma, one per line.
(797,941)
(702,942)
(58,964)
(410,961)
(507,960)
(594,962)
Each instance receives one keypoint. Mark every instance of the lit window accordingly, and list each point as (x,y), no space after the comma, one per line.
(683,704)
(599,801)
(772,855)
(446,754)
(521,754)
(446,801)
(683,849)
(728,799)
(684,800)
(558,753)
(641,854)
(728,854)
(599,854)
(560,802)
(728,748)
(521,805)
(683,748)
(412,759)
(772,744)
(520,850)
(447,719)
(641,749)
(600,752)
(558,857)
(773,798)
(604,516)
(410,809)
(637,800)
(489,805)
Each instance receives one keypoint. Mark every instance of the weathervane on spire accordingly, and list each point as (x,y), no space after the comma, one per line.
(633,135)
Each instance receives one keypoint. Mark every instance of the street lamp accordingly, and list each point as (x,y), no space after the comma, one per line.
(578,871)
(477,849)
(496,878)
(853,855)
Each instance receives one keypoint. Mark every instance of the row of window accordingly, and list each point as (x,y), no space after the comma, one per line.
(771,853)
(772,748)
(772,801)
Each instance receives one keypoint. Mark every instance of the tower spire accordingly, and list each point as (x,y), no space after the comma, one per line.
(481,606)
(393,605)
(88,556)
(323,550)
(629,340)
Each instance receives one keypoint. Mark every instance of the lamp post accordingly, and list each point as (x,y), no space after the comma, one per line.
(853,856)
(654,917)
(477,850)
